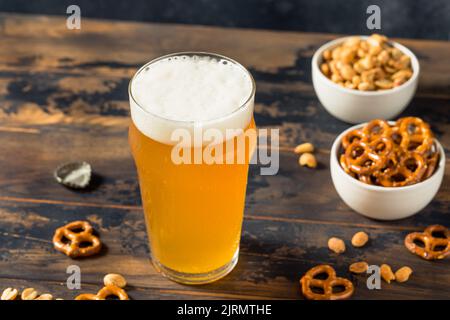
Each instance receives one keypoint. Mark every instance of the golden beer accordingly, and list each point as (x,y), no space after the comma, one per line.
(193,212)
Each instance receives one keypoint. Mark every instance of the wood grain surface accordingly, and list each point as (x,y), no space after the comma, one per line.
(63,97)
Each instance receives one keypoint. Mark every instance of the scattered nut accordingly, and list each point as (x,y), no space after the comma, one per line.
(304,147)
(115,280)
(386,273)
(403,274)
(380,65)
(29,294)
(384,84)
(308,159)
(9,294)
(359,267)
(360,239)
(45,296)
(336,245)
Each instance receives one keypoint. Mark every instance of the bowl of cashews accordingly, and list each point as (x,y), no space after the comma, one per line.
(387,170)
(360,78)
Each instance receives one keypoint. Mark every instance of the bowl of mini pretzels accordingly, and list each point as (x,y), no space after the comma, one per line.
(359,78)
(387,170)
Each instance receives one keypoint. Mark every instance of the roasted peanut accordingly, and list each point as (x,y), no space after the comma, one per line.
(336,53)
(399,82)
(350,85)
(403,62)
(352,42)
(359,267)
(336,78)
(325,69)
(366,65)
(367,62)
(29,294)
(347,55)
(356,80)
(45,296)
(327,54)
(9,294)
(406,74)
(403,274)
(308,159)
(304,147)
(376,40)
(347,72)
(384,84)
(396,53)
(389,69)
(383,57)
(364,86)
(115,280)
(386,273)
(361,53)
(359,239)
(336,245)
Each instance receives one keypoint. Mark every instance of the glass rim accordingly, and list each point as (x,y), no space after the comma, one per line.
(194,53)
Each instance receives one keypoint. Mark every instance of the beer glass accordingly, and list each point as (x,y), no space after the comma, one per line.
(193,209)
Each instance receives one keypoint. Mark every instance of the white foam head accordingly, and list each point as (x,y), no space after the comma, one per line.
(188,91)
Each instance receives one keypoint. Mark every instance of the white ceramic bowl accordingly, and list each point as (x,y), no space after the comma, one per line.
(381,202)
(355,106)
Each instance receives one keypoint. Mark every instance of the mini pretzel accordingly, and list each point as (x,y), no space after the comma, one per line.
(355,135)
(398,137)
(376,129)
(87,296)
(420,137)
(432,162)
(390,156)
(69,241)
(391,177)
(104,293)
(361,159)
(309,281)
(430,242)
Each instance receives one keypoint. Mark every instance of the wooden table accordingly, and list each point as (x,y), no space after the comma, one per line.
(63,97)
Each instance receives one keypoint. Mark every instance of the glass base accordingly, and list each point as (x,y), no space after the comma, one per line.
(196,278)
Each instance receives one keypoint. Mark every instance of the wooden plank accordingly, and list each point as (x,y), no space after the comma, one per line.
(56,116)
(45,44)
(63,95)
(295,194)
(273,256)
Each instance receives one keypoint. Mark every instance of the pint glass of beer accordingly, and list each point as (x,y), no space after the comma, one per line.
(190,114)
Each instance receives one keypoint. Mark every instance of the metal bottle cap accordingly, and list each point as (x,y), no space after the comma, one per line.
(75,175)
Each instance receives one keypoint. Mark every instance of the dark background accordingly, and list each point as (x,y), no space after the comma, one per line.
(428,19)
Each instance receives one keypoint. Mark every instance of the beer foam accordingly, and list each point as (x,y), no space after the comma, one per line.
(187,91)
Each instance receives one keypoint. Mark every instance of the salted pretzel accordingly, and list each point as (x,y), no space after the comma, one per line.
(354,135)
(398,137)
(361,158)
(310,281)
(76,239)
(376,129)
(390,155)
(410,171)
(430,242)
(432,162)
(105,292)
(420,137)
